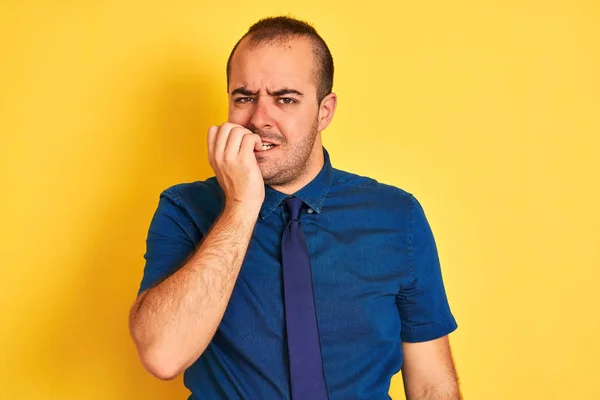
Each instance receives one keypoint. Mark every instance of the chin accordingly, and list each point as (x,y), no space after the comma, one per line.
(272,178)
(269,179)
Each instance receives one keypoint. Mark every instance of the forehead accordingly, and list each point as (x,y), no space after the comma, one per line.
(273,66)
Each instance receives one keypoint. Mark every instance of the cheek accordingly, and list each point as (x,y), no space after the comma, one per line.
(298,124)
(238,116)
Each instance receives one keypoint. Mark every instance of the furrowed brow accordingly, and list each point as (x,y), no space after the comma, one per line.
(243,91)
(283,92)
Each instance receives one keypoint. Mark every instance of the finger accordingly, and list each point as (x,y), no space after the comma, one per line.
(221,140)
(258,144)
(210,139)
(234,141)
(249,144)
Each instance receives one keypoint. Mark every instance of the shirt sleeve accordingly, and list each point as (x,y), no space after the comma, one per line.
(168,245)
(423,305)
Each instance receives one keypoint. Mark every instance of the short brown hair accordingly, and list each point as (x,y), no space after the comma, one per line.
(279,30)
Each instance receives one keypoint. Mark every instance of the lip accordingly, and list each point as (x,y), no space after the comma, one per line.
(266,151)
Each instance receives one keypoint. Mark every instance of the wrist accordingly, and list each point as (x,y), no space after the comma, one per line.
(242,210)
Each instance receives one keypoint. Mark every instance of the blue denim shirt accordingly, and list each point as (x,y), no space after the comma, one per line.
(376,275)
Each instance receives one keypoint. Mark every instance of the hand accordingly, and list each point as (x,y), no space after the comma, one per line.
(231,155)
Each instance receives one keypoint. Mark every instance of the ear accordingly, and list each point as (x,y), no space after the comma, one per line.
(326,111)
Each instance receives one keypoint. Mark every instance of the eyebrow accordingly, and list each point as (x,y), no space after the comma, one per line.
(243,91)
(281,92)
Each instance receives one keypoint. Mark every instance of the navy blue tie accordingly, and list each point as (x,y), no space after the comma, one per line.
(306,364)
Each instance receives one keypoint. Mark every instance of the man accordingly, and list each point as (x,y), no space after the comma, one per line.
(282,277)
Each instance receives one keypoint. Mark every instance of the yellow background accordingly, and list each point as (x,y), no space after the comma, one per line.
(487,111)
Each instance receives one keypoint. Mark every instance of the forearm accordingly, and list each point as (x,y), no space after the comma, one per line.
(173,323)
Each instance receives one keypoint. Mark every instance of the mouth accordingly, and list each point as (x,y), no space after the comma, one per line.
(267,147)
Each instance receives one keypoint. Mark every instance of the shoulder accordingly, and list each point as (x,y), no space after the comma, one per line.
(199,202)
(204,192)
(367,189)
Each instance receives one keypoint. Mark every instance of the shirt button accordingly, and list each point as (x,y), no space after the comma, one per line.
(310,211)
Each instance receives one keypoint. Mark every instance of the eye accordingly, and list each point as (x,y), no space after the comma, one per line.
(243,100)
(286,100)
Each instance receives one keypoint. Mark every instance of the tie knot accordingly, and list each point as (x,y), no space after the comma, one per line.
(294,206)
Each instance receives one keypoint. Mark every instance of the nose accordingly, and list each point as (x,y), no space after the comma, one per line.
(260,118)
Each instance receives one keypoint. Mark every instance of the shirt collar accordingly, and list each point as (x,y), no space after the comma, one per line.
(313,194)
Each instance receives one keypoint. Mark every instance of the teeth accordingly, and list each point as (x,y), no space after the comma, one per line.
(266,146)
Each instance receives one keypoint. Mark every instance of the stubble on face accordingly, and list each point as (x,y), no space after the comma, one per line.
(292,162)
